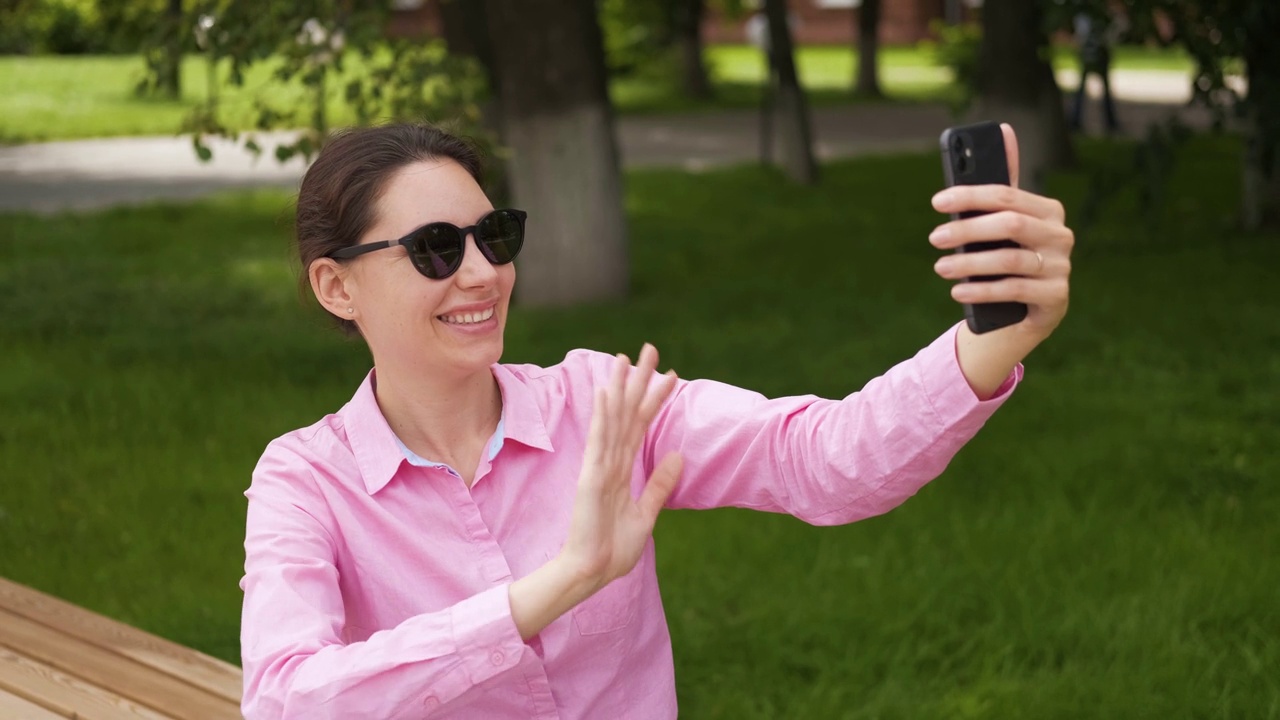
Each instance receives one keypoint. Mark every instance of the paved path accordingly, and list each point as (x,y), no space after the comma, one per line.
(85,174)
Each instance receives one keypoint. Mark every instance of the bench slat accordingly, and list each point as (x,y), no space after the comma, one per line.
(134,680)
(68,695)
(215,676)
(15,708)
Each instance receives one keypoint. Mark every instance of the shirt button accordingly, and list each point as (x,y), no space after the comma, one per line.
(431,703)
(497,657)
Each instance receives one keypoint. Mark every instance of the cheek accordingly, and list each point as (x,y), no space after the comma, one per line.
(507,278)
(400,295)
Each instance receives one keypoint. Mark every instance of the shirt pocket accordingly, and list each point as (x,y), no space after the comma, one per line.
(614,606)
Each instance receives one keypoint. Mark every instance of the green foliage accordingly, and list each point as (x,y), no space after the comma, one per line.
(127,26)
(338,53)
(957,48)
(1224,36)
(636,33)
(69,27)
(77,27)
(53,98)
(1100,550)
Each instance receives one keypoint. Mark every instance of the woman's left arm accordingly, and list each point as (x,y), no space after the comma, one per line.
(832,462)
(1039,271)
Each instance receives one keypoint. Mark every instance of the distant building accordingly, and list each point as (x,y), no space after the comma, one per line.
(902,22)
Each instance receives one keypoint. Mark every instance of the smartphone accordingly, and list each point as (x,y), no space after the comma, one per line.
(974,155)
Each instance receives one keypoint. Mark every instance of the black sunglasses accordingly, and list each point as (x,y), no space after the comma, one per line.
(436,248)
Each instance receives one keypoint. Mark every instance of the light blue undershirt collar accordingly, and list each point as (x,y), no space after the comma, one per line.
(495,444)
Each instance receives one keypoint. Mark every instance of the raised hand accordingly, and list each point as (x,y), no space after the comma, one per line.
(610,528)
(1040,269)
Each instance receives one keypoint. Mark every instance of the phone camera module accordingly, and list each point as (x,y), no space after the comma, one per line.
(962,155)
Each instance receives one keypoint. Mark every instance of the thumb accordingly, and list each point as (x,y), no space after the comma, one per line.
(1011,152)
(661,482)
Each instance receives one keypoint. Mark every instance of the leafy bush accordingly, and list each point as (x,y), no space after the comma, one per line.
(636,33)
(74,27)
(53,26)
(957,48)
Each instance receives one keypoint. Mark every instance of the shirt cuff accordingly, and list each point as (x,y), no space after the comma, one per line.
(952,399)
(485,634)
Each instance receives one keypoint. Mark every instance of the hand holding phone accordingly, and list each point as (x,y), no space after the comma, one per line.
(975,155)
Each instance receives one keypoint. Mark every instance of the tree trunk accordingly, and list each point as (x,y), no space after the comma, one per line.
(868,21)
(1016,85)
(465,29)
(563,167)
(1260,196)
(688,39)
(466,33)
(791,107)
(170,80)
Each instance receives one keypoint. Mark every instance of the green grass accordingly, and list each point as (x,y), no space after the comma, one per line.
(54,98)
(1105,548)
(66,97)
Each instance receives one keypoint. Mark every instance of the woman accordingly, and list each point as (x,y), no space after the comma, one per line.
(467,539)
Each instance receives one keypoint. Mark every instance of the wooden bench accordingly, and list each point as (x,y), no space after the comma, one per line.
(58,660)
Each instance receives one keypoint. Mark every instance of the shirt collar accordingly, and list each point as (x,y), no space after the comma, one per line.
(372,441)
(521,416)
(374,445)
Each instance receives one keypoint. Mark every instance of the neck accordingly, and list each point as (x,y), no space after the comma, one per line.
(442,417)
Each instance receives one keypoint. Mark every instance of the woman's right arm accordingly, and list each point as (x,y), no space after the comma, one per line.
(296,664)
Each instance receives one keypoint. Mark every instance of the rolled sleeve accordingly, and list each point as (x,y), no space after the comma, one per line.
(948,392)
(824,461)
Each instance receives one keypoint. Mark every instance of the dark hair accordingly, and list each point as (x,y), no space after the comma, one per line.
(341,189)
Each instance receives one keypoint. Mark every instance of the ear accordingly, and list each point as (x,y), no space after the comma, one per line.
(329,282)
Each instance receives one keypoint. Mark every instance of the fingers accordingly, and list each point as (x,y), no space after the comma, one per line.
(1047,292)
(641,397)
(625,407)
(1027,230)
(661,483)
(1026,263)
(994,198)
(638,381)
(596,440)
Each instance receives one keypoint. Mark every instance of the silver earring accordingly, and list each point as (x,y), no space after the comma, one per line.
(350,310)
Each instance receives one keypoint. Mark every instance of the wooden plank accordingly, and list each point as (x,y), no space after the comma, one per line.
(213,675)
(131,679)
(67,695)
(15,708)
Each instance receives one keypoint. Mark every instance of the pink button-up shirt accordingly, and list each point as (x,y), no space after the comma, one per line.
(377,588)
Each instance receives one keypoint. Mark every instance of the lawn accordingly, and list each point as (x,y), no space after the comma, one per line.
(53,98)
(1105,548)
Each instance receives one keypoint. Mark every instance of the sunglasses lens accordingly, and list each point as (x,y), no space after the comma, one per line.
(501,235)
(437,250)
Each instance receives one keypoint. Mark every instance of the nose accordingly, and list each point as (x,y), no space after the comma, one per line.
(476,271)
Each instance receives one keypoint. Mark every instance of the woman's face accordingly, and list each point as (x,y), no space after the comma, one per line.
(452,326)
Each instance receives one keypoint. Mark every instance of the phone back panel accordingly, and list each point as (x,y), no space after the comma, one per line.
(974,155)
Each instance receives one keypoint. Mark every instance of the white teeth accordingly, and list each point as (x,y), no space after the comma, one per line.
(468,318)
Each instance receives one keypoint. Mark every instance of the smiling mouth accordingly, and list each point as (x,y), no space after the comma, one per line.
(467,318)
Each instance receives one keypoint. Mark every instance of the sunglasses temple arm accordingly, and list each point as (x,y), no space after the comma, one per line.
(357,250)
